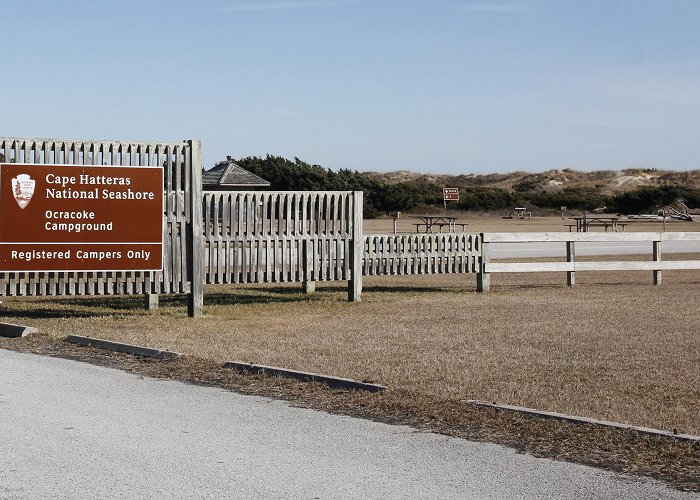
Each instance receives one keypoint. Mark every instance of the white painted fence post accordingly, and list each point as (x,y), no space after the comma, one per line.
(570,257)
(656,257)
(483,279)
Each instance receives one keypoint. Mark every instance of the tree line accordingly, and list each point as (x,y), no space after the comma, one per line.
(380,198)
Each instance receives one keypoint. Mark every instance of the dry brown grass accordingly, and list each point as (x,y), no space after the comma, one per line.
(623,350)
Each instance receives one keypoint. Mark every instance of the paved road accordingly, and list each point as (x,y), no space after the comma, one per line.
(72,430)
(510,250)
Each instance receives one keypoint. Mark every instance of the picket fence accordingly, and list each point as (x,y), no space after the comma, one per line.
(404,254)
(286,236)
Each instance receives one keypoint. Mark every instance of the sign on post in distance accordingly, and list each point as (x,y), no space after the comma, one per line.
(450,194)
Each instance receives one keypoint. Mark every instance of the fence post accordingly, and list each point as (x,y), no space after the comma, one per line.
(356,246)
(307,285)
(570,257)
(656,246)
(150,301)
(195,234)
(483,279)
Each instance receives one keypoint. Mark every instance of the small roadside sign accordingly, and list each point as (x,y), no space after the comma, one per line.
(450,194)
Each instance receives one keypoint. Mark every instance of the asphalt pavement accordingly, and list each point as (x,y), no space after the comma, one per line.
(74,430)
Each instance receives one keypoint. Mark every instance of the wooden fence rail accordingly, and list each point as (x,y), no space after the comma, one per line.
(656,265)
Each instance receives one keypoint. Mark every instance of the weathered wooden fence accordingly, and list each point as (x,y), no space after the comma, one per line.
(656,264)
(286,236)
(399,254)
(268,237)
(182,218)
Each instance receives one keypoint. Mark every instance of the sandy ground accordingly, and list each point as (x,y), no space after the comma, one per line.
(497,224)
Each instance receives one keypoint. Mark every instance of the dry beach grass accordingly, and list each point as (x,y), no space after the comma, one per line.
(624,350)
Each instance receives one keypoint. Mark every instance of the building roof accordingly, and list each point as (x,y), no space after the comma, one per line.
(227,174)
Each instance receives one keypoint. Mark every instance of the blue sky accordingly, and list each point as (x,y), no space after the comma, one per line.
(444,86)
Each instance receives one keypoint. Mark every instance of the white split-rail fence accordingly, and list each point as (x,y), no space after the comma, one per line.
(656,264)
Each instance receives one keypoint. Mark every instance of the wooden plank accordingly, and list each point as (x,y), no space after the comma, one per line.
(264,223)
(564,237)
(367,251)
(306,197)
(441,242)
(528,267)
(355,284)
(236,261)
(296,214)
(226,235)
(238,217)
(195,302)
(209,237)
(680,236)
(287,214)
(221,239)
(260,259)
(637,266)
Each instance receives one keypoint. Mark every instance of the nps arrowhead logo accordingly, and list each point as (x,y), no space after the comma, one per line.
(23,189)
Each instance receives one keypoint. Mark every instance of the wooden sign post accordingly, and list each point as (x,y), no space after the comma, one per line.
(449,194)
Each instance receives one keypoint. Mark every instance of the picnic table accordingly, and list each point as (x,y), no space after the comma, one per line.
(584,223)
(429,222)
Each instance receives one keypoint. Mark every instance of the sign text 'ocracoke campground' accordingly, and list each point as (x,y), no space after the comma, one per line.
(80,218)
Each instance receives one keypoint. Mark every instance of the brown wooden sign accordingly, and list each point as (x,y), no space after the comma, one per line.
(80,218)
(450,194)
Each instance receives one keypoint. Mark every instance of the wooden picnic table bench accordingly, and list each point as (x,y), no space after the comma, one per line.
(451,226)
(583,224)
